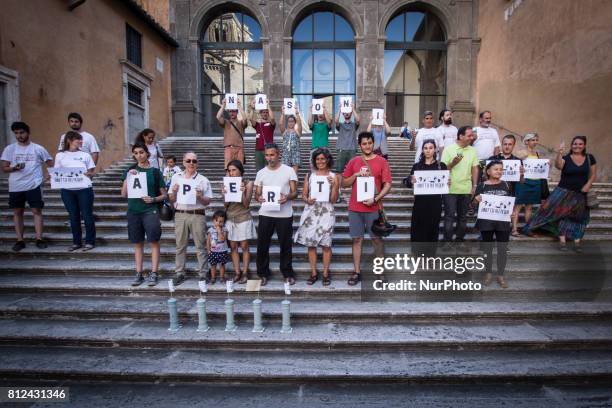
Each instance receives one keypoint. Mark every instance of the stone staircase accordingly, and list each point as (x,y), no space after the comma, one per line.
(73,318)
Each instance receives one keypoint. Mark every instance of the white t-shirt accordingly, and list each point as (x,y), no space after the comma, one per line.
(75,159)
(449,134)
(487,141)
(422,135)
(201,182)
(279,177)
(31,176)
(89,143)
(170,172)
(155,154)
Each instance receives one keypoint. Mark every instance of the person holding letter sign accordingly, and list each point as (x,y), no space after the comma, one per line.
(320,125)
(427,210)
(530,191)
(346,145)
(363,214)
(264,132)
(291,139)
(494,231)
(233,130)
(143,213)
(239,224)
(190,218)
(320,192)
(566,212)
(281,176)
(380,133)
(23,161)
(78,201)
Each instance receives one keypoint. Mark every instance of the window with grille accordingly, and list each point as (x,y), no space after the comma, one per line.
(135,95)
(133,41)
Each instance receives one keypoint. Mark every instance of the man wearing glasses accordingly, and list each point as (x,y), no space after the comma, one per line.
(190,217)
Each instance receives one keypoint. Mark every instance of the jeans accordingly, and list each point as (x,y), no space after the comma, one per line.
(501,239)
(455,204)
(284,230)
(80,203)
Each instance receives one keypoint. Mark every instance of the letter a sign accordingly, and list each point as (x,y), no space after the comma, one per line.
(231,101)
(261,102)
(137,185)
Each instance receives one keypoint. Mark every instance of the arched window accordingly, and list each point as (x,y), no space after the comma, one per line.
(415,66)
(323,60)
(232,62)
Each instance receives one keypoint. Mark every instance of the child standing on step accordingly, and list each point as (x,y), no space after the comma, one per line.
(216,243)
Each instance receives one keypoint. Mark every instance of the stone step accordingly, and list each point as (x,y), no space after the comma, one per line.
(271,367)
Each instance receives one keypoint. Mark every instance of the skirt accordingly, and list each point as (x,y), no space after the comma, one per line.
(316,225)
(563,213)
(218,258)
(529,192)
(242,231)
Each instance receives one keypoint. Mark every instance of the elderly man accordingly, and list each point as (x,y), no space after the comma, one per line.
(190,218)
(233,133)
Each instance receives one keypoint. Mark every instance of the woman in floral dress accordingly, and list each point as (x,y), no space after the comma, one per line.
(318,218)
(290,154)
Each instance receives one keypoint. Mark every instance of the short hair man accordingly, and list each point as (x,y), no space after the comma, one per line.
(23,161)
(426,132)
(264,132)
(75,122)
(346,145)
(233,132)
(486,139)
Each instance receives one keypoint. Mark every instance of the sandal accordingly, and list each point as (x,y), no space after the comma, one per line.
(354,279)
(213,280)
(237,277)
(223,280)
(515,233)
(291,280)
(312,279)
(488,279)
(326,279)
(502,282)
(244,278)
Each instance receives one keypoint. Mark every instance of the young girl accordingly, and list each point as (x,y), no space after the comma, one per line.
(216,243)
(291,140)
(489,228)
(143,214)
(147,137)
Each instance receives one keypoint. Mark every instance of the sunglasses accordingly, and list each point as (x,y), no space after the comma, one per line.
(189,161)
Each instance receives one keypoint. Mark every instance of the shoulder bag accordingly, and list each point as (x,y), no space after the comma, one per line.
(381,226)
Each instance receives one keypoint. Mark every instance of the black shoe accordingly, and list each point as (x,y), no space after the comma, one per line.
(264,281)
(19,245)
(178,279)
(138,280)
(152,279)
(41,244)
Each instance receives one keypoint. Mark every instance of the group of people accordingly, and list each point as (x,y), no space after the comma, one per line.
(473,156)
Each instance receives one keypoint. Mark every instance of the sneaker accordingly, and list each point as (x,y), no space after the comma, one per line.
(138,280)
(152,279)
(41,244)
(88,247)
(19,245)
(75,247)
(178,279)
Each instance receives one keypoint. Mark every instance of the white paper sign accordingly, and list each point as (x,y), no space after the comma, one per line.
(287,288)
(231,101)
(272,196)
(536,168)
(186,193)
(378,116)
(203,286)
(495,208)
(431,182)
(261,102)
(137,185)
(346,103)
(229,286)
(289,104)
(232,189)
(512,170)
(68,177)
(319,188)
(365,188)
(317,106)
(171,286)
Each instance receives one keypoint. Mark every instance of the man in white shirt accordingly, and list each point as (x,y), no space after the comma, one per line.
(281,219)
(486,139)
(190,217)
(23,160)
(446,128)
(425,133)
(75,121)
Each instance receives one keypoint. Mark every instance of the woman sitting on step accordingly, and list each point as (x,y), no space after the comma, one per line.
(318,218)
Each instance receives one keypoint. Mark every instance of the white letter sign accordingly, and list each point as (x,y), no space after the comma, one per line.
(495,208)
(231,101)
(319,188)
(261,102)
(186,193)
(137,185)
(232,189)
(317,106)
(536,168)
(431,182)
(289,104)
(512,170)
(365,188)
(378,117)
(272,196)
(346,103)
(68,177)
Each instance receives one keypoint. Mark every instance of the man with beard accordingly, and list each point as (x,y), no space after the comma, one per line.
(233,133)
(264,132)
(75,121)
(446,128)
(23,161)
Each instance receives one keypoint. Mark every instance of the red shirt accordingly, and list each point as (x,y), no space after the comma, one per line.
(264,134)
(381,173)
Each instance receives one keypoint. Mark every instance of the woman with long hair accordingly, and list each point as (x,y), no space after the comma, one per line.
(147,137)
(529,192)
(291,140)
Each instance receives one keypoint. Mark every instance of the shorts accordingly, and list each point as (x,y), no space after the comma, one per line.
(18,199)
(218,258)
(242,231)
(360,222)
(141,224)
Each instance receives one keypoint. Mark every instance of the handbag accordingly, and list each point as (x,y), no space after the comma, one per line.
(166,211)
(381,227)
(241,137)
(591,198)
